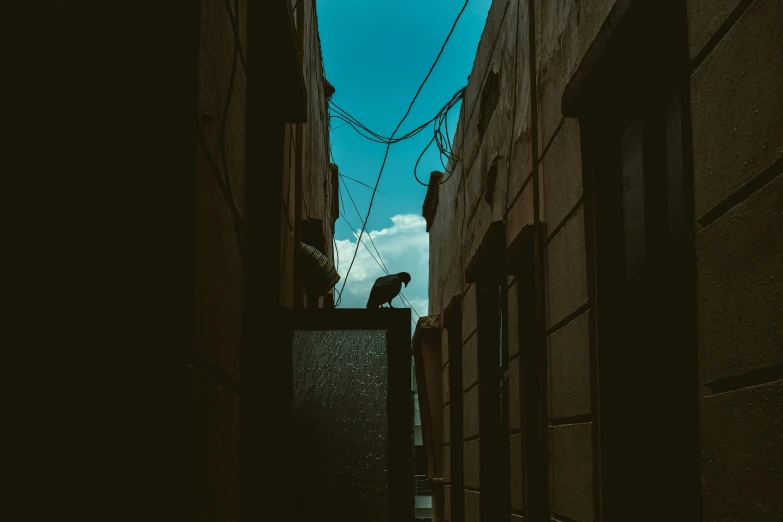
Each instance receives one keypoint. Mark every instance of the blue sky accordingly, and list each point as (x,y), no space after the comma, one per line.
(376,53)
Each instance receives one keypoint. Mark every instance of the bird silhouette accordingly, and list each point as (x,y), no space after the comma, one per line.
(387,288)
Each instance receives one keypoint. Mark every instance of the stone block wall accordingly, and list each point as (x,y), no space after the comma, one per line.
(531,49)
(736,85)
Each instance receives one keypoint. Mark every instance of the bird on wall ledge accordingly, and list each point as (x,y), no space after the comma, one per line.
(387,288)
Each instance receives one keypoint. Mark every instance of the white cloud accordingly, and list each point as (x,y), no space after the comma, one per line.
(404,247)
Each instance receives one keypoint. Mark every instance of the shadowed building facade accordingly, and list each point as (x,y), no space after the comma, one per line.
(603,264)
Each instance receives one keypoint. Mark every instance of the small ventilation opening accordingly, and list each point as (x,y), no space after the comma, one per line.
(489,101)
(492,176)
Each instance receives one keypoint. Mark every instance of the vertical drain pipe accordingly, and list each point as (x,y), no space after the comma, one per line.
(298,294)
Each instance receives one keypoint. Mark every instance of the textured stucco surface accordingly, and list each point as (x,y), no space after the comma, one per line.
(469,313)
(314,149)
(218,305)
(736,100)
(736,103)
(520,214)
(561,34)
(470,362)
(740,281)
(215,450)
(572,471)
(522,135)
(561,170)
(470,415)
(445,384)
(569,369)
(704,18)
(472,506)
(219,281)
(564,32)
(447,463)
(742,455)
(444,346)
(471,464)
(447,424)
(566,270)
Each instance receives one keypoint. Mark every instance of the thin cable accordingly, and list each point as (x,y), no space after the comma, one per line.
(385,269)
(343,115)
(364,184)
(442,140)
(383,266)
(483,81)
(229,96)
(235,29)
(337,253)
(353,231)
(219,178)
(224,176)
(365,132)
(388,146)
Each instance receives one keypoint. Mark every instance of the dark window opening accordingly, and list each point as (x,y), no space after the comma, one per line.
(632,100)
(489,101)
(493,402)
(492,176)
(648,377)
(532,348)
(645,293)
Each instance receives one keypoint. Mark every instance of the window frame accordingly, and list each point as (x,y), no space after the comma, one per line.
(630,72)
(523,259)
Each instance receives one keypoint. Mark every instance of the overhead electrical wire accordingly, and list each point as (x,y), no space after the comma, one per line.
(381,264)
(388,145)
(441,138)
(222,176)
(229,93)
(379,261)
(403,298)
(440,120)
(363,184)
(364,131)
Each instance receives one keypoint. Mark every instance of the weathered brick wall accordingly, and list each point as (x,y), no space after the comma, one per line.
(737,97)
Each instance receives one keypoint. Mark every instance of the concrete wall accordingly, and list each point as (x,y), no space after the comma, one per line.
(736,102)
(736,82)
(219,271)
(532,154)
(314,150)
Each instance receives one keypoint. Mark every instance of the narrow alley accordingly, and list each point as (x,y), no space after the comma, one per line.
(464,261)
